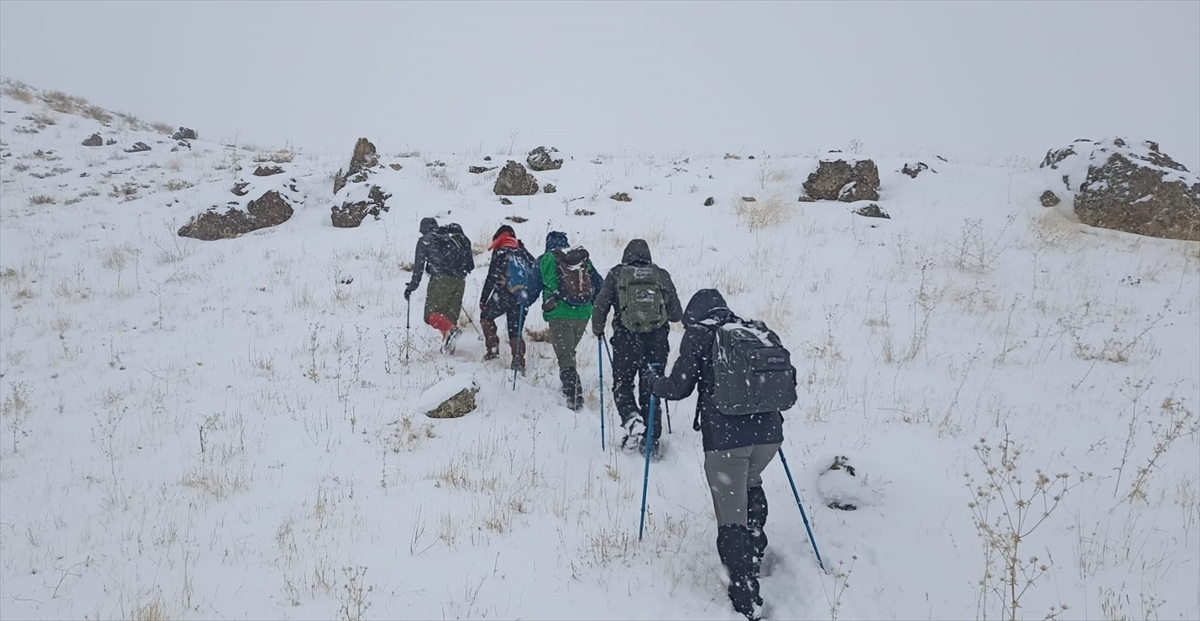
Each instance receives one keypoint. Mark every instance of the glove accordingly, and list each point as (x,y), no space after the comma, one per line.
(409,288)
(651,375)
(550,303)
(598,334)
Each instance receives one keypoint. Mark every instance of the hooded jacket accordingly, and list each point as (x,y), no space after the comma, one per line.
(637,254)
(556,240)
(421,262)
(693,369)
(495,284)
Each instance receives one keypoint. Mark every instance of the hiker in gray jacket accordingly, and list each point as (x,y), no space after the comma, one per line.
(643,300)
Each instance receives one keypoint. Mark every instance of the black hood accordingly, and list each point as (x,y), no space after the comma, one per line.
(428,225)
(638,251)
(706,304)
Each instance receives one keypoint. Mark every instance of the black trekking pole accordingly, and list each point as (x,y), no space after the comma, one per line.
(471,321)
(407,328)
(520,340)
(600,360)
(803,515)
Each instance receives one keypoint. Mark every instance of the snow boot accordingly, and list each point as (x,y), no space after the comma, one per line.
(571,389)
(491,340)
(735,546)
(635,433)
(518,354)
(451,340)
(756,521)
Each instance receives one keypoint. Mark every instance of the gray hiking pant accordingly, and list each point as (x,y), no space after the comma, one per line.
(731,473)
(565,335)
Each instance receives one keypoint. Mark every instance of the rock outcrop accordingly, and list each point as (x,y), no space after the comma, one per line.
(541,159)
(1129,186)
(272,208)
(514,180)
(839,180)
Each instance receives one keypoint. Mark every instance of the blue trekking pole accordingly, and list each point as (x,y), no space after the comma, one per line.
(600,356)
(646,473)
(803,515)
(520,339)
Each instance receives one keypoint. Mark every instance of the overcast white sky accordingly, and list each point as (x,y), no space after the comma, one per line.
(969,79)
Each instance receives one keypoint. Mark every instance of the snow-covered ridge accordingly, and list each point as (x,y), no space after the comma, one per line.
(234,429)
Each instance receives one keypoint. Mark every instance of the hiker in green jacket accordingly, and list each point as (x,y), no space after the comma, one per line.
(569,284)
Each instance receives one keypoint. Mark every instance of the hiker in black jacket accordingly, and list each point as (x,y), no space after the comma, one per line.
(447,277)
(643,300)
(736,450)
(496,299)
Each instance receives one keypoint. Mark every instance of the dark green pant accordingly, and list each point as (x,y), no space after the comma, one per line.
(444,297)
(565,335)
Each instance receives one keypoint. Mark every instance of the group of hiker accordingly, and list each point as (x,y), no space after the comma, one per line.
(741,371)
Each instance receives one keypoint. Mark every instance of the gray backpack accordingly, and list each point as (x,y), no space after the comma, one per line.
(752,370)
(641,298)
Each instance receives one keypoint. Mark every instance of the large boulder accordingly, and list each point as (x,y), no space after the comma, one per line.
(358,202)
(1129,186)
(514,180)
(184,133)
(270,209)
(839,180)
(542,158)
(93,141)
(363,162)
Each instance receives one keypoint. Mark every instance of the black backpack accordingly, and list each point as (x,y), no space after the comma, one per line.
(752,370)
(574,277)
(450,251)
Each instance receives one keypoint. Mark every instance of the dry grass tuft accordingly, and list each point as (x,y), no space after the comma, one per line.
(18,91)
(282,156)
(767,213)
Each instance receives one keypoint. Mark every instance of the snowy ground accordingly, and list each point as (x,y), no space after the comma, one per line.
(226,430)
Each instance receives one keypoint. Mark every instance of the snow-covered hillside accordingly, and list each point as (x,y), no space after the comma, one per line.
(229,429)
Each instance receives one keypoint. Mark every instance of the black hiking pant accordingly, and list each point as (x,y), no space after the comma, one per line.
(497,306)
(632,353)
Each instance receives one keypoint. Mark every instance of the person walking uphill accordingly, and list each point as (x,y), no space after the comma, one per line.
(643,300)
(569,284)
(738,412)
(497,299)
(444,252)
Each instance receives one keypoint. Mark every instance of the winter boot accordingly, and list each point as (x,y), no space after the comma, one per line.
(735,546)
(518,354)
(571,389)
(451,342)
(491,340)
(756,521)
(635,433)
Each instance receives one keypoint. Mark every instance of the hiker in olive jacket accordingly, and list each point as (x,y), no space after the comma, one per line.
(643,300)
(567,319)
(736,450)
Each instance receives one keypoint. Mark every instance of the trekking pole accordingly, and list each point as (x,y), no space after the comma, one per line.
(600,357)
(471,321)
(520,339)
(611,364)
(803,515)
(646,472)
(407,328)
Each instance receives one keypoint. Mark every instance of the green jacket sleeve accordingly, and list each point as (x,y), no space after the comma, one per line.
(549,270)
